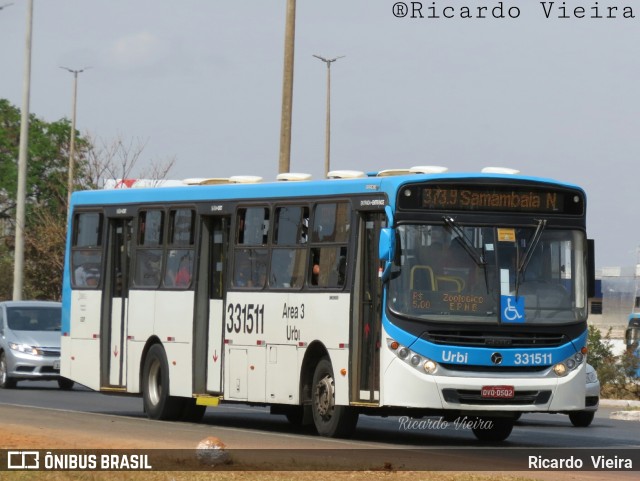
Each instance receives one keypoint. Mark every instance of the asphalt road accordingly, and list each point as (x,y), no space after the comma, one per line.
(246,427)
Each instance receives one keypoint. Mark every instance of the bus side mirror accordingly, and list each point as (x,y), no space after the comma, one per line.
(386,250)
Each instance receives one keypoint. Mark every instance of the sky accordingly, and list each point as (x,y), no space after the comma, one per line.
(200,81)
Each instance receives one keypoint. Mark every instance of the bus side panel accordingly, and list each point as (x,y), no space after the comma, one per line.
(81,348)
(142,308)
(85,314)
(134,365)
(340,360)
(174,316)
(282,389)
(81,357)
(179,357)
(174,327)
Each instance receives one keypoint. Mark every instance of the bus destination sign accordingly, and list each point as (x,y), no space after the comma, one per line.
(500,199)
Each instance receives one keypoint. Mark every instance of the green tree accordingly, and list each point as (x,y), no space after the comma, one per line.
(46,198)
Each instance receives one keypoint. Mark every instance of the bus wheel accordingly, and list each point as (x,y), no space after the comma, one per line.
(330,420)
(6,382)
(192,412)
(581,419)
(155,387)
(492,430)
(65,384)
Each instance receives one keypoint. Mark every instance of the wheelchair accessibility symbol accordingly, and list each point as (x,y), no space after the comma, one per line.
(512,309)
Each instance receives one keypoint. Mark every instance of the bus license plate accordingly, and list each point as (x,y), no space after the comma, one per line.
(56,365)
(497,392)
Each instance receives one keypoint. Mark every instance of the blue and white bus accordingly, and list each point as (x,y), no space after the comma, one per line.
(412,292)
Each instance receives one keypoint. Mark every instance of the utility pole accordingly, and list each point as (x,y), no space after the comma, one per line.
(287,89)
(327,145)
(72,141)
(18,268)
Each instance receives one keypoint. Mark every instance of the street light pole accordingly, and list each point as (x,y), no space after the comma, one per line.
(72,141)
(18,266)
(284,162)
(327,145)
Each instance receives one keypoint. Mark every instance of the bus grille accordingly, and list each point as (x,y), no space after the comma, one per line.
(470,396)
(491,339)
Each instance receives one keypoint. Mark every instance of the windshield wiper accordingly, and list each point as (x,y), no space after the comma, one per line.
(477,256)
(533,242)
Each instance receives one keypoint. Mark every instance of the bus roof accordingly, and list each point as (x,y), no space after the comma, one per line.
(369,184)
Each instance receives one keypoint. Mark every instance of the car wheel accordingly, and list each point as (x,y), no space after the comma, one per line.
(6,382)
(65,384)
(581,419)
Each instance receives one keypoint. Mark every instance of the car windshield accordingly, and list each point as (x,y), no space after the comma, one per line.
(458,273)
(34,318)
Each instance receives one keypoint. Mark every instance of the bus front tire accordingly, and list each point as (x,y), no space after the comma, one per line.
(581,419)
(330,420)
(492,430)
(155,387)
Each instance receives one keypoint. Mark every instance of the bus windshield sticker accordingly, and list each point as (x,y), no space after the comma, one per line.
(506,234)
(512,309)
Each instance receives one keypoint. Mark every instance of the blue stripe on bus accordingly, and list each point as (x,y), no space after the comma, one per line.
(481,356)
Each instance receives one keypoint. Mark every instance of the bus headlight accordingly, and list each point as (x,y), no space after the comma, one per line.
(430,366)
(411,358)
(560,370)
(565,367)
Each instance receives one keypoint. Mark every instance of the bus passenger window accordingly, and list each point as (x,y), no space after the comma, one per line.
(328,266)
(253,226)
(86,252)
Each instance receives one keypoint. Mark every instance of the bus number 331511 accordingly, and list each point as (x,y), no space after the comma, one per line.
(245,318)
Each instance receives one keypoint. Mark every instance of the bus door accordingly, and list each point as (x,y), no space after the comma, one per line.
(366,330)
(209,305)
(113,325)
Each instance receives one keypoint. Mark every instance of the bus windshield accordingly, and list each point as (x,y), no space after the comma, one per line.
(455,273)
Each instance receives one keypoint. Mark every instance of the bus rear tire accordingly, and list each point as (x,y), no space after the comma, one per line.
(496,432)
(192,412)
(65,384)
(155,387)
(330,420)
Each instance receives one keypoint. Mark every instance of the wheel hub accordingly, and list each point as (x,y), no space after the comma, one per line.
(324,396)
